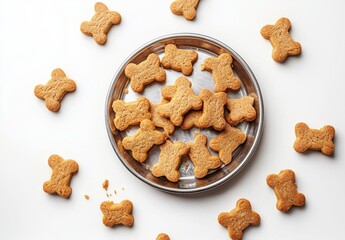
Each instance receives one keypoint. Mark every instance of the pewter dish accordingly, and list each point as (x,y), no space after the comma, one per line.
(205,47)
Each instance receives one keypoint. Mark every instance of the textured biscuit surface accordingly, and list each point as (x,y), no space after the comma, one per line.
(222,72)
(100,23)
(286,190)
(187,8)
(169,160)
(55,89)
(145,73)
(143,140)
(191,120)
(182,99)
(213,109)
(201,157)
(162,236)
(239,219)
(226,142)
(281,41)
(314,139)
(179,59)
(115,214)
(132,113)
(240,110)
(160,121)
(60,179)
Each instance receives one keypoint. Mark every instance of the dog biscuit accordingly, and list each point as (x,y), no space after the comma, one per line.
(143,140)
(55,89)
(281,41)
(314,139)
(169,160)
(162,236)
(60,179)
(100,23)
(240,110)
(222,72)
(182,99)
(226,142)
(115,214)
(132,113)
(179,59)
(201,157)
(145,73)
(239,219)
(187,8)
(286,190)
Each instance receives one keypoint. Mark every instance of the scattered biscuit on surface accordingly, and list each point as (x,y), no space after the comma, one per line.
(213,109)
(105,184)
(160,121)
(286,190)
(169,160)
(143,140)
(87,197)
(55,89)
(100,23)
(182,99)
(281,41)
(239,219)
(226,142)
(162,236)
(191,120)
(222,72)
(241,109)
(132,113)
(60,179)
(187,8)
(179,59)
(116,214)
(314,139)
(145,73)
(201,157)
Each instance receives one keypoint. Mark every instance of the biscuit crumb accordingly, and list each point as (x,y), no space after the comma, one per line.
(106,184)
(115,192)
(123,189)
(86,197)
(148,167)
(125,91)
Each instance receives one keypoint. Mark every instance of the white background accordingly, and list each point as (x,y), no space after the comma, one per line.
(38,36)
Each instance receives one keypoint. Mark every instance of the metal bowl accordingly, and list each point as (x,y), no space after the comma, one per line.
(205,47)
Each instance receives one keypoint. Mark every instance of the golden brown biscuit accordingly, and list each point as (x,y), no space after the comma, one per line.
(213,109)
(132,113)
(191,120)
(314,139)
(179,59)
(201,157)
(162,236)
(145,73)
(187,8)
(115,214)
(55,89)
(182,99)
(160,121)
(239,219)
(286,190)
(169,160)
(100,23)
(282,43)
(60,179)
(222,72)
(143,140)
(241,109)
(226,142)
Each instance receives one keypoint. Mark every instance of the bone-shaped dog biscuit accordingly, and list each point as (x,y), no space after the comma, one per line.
(100,23)
(187,8)
(239,219)
(60,179)
(314,139)
(222,72)
(286,190)
(281,41)
(115,214)
(55,89)
(145,73)
(241,109)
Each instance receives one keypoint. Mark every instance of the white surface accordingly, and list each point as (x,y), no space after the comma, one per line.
(38,36)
